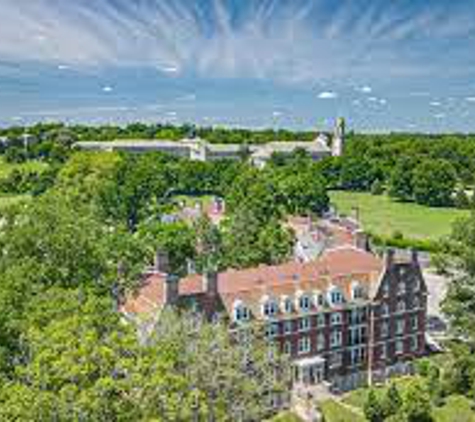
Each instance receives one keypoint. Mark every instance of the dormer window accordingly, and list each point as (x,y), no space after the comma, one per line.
(287,305)
(401,288)
(305,303)
(358,291)
(335,296)
(269,307)
(241,312)
(318,299)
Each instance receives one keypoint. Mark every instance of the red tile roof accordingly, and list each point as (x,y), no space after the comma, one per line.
(339,267)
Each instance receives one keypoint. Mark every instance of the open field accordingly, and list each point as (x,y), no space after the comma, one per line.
(383,216)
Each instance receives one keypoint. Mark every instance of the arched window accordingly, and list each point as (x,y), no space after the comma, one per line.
(241,311)
(401,287)
(358,291)
(305,302)
(269,307)
(401,306)
(318,299)
(287,305)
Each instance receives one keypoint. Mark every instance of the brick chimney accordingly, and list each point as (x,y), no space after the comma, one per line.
(172,292)
(162,262)
(389,257)
(361,240)
(210,283)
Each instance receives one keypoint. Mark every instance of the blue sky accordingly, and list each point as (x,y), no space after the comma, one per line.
(383,64)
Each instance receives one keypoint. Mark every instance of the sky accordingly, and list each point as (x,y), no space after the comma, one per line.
(384,65)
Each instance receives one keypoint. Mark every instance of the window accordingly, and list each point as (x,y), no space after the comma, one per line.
(383,351)
(358,292)
(304,324)
(416,303)
(336,359)
(321,320)
(399,347)
(357,316)
(319,300)
(415,322)
(336,298)
(321,342)
(336,318)
(357,335)
(401,306)
(287,305)
(288,348)
(385,289)
(288,327)
(384,310)
(304,345)
(241,313)
(384,329)
(400,326)
(414,343)
(335,339)
(270,308)
(357,355)
(304,303)
(272,330)
(401,288)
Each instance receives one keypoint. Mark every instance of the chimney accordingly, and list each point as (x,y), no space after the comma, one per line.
(415,257)
(162,262)
(389,258)
(361,240)
(172,292)
(210,283)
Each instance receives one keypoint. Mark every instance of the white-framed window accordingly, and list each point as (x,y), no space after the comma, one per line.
(270,308)
(400,326)
(357,316)
(358,291)
(305,303)
(272,330)
(288,327)
(399,347)
(416,303)
(288,348)
(384,329)
(336,297)
(321,342)
(241,312)
(318,299)
(336,318)
(357,355)
(305,324)
(287,305)
(385,289)
(304,345)
(336,338)
(401,306)
(414,343)
(321,320)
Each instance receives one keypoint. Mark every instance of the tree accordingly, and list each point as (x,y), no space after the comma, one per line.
(373,408)
(401,180)
(417,406)
(434,183)
(236,372)
(392,401)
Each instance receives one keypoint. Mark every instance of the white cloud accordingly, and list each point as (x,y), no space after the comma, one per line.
(439,115)
(366,89)
(107,88)
(327,95)
(435,103)
(470,99)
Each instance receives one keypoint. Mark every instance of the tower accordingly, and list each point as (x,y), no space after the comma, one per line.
(338,137)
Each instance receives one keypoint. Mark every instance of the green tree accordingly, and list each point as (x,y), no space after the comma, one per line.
(417,406)
(392,401)
(401,180)
(373,408)
(434,183)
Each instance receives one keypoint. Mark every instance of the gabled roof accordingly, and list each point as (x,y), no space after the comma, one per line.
(336,267)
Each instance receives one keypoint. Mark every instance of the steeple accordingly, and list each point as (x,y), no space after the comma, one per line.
(338,141)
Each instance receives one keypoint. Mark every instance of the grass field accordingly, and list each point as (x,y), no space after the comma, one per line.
(383,216)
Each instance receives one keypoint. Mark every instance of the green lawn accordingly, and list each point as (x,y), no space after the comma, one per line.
(383,216)
(338,412)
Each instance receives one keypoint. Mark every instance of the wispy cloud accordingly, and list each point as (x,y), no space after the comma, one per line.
(327,95)
(289,41)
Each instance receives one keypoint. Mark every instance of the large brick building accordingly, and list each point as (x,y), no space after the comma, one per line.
(346,318)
